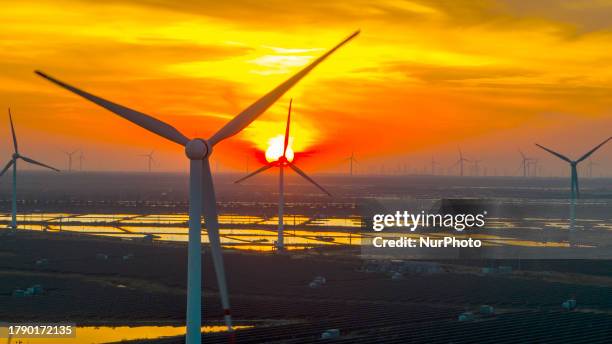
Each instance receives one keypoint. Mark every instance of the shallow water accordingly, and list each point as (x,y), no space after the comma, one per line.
(107,334)
(259,234)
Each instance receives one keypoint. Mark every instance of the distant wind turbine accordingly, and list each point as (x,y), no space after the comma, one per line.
(525,163)
(69,156)
(590,165)
(351,159)
(575,190)
(282,162)
(476,167)
(150,159)
(460,162)
(81,158)
(201,188)
(13,162)
(532,167)
(433,166)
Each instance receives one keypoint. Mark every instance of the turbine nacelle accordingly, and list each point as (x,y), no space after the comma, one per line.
(201,189)
(198,149)
(282,161)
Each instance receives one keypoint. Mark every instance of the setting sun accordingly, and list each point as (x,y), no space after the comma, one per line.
(275,149)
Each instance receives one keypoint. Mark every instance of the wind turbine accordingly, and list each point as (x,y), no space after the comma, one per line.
(532,167)
(69,155)
(525,163)
(150,159)
(13,162)
(433,166)
(460,162)
(575,191)
(201,188)
(590,165)
(351,159)
(476,167)
(283,161)
(81,158)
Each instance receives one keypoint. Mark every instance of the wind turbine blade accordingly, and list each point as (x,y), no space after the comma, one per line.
(32,161)
(593,150)
(10,163)
(301,173)
(287,129)
(13,131)
(251,113)
(209,205)
(560,156)
(265,167)
(152,124)
(522,154)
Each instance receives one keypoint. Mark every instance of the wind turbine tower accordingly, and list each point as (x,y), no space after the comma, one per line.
(575,190)
(525,163)
(202,196)
(69,156)
(13,162)
(590,165)
(150,159)
(283,161)
(434,163)
(351,159)
(460,162)
(81,158)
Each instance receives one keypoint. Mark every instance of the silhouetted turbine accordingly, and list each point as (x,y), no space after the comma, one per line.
(575,190)
(281,163)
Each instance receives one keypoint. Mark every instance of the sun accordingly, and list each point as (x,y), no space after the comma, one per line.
(275,148)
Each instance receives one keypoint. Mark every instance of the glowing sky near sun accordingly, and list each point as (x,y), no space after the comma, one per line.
(423,78)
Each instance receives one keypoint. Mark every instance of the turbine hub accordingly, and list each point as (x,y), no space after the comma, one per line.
(15,155)
(197,149)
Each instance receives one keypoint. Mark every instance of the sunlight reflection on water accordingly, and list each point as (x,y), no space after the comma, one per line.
(106,334)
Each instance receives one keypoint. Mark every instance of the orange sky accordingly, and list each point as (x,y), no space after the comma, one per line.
(421,79)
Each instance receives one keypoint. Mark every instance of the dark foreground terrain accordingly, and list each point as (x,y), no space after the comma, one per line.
(271,291)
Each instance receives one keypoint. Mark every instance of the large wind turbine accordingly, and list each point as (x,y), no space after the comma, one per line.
(13,162)
(150,159)
(575,190)
(282,162)
(201,188)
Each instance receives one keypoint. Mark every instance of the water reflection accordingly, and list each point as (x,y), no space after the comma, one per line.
(107,334)
(301,232)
